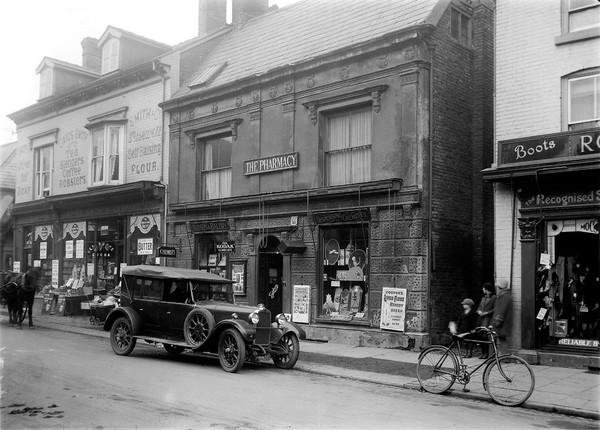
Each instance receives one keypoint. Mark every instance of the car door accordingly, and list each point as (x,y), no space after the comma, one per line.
(150,306)
(178,310)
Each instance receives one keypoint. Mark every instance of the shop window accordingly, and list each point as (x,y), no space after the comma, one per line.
(348,138)
(107,142)
(43,171)
(460,27)
(211,256)
(110,55)
(345,275)
(568,292)
(583,100)
(216,167)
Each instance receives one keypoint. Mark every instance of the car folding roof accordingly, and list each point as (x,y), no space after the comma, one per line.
(162,272)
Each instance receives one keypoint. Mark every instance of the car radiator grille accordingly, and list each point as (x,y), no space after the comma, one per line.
(263,328)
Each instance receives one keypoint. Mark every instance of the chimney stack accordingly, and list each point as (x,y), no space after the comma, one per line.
(212,15)
(243,11)
(91,55)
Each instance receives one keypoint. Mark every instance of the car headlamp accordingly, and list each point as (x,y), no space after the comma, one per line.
(281,318)
(254,317)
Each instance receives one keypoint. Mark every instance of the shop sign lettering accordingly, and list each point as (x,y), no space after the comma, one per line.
(561,145)
(271,164)
(563,199)
(359,215)
(167,251)
(225,247)
(145,246)
(579,342)
(72,169)
(200,227)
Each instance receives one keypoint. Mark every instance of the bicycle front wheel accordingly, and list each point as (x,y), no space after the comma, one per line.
(437,369)
(509,381)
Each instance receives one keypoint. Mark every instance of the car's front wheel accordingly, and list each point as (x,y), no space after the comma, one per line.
(121,336)
(232,350)
(173,349)
(290,351)
(197,326)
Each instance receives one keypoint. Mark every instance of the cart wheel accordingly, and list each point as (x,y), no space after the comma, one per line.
(93,320)
(98,322)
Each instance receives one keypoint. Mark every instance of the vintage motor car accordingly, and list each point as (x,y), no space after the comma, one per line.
(186,309)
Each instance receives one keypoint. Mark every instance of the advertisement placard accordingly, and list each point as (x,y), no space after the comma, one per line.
(393,309)
(301,304)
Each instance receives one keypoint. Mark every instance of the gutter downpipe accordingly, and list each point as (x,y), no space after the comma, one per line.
(162,69)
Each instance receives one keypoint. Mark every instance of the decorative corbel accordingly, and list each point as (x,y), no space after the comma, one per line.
(376,96)
(192,136)
(527,226)
(233,125)
(312,111)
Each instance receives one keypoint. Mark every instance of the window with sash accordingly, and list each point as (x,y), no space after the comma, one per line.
(43,171)
(460,27)
(583,96)
(582,15)
(107,144)
(347,146)
(216,167)
(45,83)
(110,55)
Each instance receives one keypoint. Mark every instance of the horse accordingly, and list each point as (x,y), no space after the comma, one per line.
(18,291)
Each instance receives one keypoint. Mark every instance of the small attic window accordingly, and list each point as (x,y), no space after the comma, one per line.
(46,83)
(110,55)
(207,75)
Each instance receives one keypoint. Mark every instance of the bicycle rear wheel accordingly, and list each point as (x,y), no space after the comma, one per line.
(512,383)
(437,369)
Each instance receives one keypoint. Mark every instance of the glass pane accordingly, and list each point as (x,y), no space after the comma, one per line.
(582,94)
(585,18)
(454,23)
(97,143)
(360,128)
(338,126)
(114,140)
(577,4)
(46,158)
(361,165)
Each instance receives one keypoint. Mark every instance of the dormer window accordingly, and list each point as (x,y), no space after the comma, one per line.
(45,83)
(110,56)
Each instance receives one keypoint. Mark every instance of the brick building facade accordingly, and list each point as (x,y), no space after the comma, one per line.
(334,172)
(546,178)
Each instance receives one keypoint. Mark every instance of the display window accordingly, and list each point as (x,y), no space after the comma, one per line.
(345,274)
(105,252)
(214,254)
(568,295)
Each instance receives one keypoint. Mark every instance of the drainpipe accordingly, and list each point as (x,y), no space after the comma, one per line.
(162,70)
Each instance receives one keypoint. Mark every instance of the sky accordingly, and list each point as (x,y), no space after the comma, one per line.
(33,29)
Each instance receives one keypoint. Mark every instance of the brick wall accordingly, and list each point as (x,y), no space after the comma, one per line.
(462,146)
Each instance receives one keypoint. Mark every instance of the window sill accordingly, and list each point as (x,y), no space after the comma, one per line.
(577,36)
(352,321)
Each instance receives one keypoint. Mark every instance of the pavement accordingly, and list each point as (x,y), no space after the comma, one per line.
(568,391)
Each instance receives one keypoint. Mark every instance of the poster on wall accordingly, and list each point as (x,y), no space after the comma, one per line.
(301,304)
(55,273)
(144,233)
(393,309)
(17,266)
(43,240)
(74,235)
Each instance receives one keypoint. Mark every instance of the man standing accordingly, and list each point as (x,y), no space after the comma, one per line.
(501,321)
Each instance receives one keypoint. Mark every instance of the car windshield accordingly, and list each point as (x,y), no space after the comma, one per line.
(202,291)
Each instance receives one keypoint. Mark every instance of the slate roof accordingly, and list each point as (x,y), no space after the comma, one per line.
(8,165)
(309,29)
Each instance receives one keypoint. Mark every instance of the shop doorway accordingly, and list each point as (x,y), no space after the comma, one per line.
(270,270)
(570,288)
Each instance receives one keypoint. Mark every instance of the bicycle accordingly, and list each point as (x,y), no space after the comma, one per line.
(508,379)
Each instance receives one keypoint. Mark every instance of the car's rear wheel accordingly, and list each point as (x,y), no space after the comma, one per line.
(121,336)
(197,326)
(232,350)
(290,346)
(173,349)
